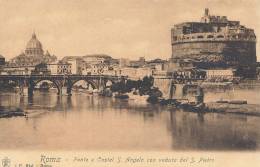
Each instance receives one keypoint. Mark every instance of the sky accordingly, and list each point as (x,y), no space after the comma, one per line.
(119,28)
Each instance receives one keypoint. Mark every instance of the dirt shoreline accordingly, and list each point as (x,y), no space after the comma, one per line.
(246,109)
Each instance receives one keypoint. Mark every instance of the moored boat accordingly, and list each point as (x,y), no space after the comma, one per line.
(121,96)
(7,112)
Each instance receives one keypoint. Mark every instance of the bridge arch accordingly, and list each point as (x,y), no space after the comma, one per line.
(92,83)
(70,84)
(57,84)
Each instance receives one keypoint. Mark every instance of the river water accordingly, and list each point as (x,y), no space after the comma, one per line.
(88,122)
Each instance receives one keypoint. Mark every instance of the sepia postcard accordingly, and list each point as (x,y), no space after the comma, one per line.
(138,83)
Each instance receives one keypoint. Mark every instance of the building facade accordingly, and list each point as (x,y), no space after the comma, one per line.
(77,64)
(138,63)
(64,68)
(17,70)
(97,59)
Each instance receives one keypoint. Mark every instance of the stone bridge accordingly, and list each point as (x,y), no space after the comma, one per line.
(176,87)
(60,81)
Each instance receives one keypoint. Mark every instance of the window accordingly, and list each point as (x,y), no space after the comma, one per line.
(220,36)
(200,37)
(210,36)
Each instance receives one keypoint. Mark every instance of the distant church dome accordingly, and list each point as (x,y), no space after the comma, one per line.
(33,54)
(34,47)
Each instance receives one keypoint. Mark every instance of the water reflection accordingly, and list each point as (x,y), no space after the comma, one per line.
(212,131)
(84,122)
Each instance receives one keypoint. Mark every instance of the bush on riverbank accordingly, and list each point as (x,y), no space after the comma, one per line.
(144,87)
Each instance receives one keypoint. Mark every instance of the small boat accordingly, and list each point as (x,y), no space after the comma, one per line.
(222,101)
(95,92)
(138,98)
(84,91)
(237,102)
(7,112)
(171,102)
(152,99)
(121,96)
(191,106)
(52,89)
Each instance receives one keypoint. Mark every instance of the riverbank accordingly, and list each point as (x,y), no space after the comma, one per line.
(234,107)
(246,109)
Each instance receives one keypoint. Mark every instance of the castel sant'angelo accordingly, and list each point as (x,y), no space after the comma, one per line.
(215,42)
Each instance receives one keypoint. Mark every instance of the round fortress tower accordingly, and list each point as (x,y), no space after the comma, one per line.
(215,42)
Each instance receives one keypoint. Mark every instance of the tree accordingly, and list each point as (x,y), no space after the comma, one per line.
(146,85)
